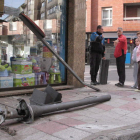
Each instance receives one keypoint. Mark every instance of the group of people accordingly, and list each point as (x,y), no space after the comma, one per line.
(97,52)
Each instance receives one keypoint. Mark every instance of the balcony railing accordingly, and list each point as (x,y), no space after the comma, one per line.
(131,18)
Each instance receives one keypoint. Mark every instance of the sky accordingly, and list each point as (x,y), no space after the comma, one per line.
(12,3)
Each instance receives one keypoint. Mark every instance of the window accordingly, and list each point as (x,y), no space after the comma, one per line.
(49,1)
(107,17)
(29,3)
(42,15)
(43,4)
(13,26)
(53,9)
(29,12)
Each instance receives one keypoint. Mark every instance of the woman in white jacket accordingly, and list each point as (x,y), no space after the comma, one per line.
(134,58)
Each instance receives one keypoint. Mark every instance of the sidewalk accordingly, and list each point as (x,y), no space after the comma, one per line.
(117,118)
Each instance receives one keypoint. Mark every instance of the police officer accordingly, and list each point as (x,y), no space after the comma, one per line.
(97,50)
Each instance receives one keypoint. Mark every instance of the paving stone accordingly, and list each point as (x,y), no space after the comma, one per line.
(86,119)
(57,117)
(131,106)
(120,111)
(116,102)
(36,136)
(137,112)
(8,138)
(110,114)
(24,133)
(95,110)
(49,137)
(70,122)
(104,107)
(70,114)
(50,127)
(133,115)
(72,134)
(128,120)
(93,128)
(128,99)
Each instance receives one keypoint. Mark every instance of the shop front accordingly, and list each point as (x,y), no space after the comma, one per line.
(24,61)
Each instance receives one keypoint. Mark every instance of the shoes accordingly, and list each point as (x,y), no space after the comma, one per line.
(97,83)
(119,84)
(134,87)
(137,90)
(94,83)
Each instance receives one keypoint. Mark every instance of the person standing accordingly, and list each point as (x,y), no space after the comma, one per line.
(135,63)
(138,60)
(97,50)
(120,55)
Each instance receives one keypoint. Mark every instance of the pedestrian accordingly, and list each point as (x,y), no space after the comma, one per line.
(138,60)
(120,55)
(135,63)
(97,50)
(138,35)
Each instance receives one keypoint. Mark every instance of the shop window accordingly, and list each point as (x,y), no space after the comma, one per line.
(25,61)
(106,16)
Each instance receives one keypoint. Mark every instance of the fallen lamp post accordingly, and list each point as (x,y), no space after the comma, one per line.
(40,35)
(27,113)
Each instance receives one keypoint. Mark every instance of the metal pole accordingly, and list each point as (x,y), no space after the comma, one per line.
(66,65)
(28,112)
(40,110)
(40,34)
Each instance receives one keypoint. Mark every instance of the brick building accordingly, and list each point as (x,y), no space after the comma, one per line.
(111,15)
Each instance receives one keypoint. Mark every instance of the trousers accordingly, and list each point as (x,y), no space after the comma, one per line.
(138,75)
(95,59)
(135,74)
(120,62)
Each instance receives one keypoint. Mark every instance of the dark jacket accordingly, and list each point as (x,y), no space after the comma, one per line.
(97,43)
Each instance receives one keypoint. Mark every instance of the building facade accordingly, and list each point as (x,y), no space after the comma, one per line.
(111,15)
(1,7)
(26,63)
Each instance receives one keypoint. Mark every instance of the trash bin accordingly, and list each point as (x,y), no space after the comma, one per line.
(103,72)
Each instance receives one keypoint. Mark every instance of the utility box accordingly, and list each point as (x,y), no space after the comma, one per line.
(103,73)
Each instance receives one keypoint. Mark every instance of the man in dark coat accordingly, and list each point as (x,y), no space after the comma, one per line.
(96,53)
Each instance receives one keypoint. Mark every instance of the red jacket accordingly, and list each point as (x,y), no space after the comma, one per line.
(122,44)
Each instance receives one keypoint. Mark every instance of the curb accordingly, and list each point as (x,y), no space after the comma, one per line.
(131,132)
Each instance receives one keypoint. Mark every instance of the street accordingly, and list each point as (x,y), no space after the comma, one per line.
(112,75)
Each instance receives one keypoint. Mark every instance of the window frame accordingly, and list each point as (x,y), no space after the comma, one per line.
(109,16)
